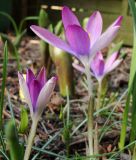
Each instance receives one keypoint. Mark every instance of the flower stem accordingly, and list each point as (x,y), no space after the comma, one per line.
(30,139)
(90,126)
(98,106)
(96,143)
(89,81)
(90,112)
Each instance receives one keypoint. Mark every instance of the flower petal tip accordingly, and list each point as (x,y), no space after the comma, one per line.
(118,21)
(68,17)
(35,28)
(20,75)
(65,8)
(55,78)
(96,13)
(120,18)
(32,27)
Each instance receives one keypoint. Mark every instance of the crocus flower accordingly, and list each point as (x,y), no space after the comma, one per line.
(36,90)
(100,68)
(82,43)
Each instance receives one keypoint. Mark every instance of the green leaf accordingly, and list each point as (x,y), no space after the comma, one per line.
(61,113)
(133,127)
(24,121)
(133,11)
(4,75)
(11,20)
(134,153)
(51,28)
(2,142)
(58,28)
(26,19)
(4,155)
(64,70)
(49,153)
(15,149)
(131,80)
(19,38)
(11,47)
(46,144)
(43,20)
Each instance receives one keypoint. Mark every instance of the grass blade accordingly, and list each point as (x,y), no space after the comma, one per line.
(131,79)
(11,20)
(4,155)
(4,75)
(27,19)
(46,144)
(11,131)
(2,141)
(133,127)
(49,153)
(15,149)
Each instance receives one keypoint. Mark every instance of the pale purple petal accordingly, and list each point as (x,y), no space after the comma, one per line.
(25,91)
(94,26)
(78,67)
(101,68)
(29,76)
(104,40)
(97,65)
(97,57)
(41,77)
(111,60)
(52,39)
(68,17)
(97,68)
(114,65)
(45,95)
(34,89)
(78,39)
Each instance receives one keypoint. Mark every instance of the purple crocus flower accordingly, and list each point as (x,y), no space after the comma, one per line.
(99,68)
(82,43)
(36,90)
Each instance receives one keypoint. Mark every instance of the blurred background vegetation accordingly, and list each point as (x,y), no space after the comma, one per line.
(109,8)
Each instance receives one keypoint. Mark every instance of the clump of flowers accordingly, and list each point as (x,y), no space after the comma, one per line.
(85,44)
